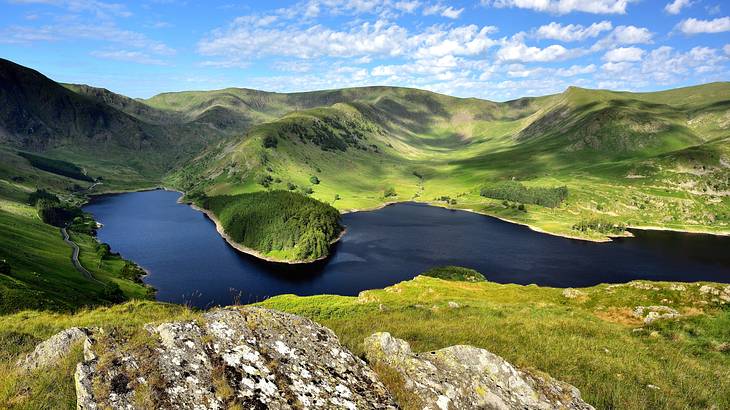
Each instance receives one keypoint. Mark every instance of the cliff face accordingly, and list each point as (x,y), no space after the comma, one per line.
(255,358)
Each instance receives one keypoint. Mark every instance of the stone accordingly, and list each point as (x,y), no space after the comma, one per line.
(650,314)
(249,357)
(454,305)
(571,293)
(466,377)
(52,350)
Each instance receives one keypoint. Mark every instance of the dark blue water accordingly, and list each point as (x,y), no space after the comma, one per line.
(189,262)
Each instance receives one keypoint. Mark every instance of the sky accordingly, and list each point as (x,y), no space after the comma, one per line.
(493,49)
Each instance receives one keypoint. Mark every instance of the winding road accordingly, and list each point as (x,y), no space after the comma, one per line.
(75,258)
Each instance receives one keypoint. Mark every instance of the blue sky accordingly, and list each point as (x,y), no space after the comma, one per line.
(493,49)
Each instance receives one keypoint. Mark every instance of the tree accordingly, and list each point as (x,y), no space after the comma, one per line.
(389,192)
(313,179)
(5,267)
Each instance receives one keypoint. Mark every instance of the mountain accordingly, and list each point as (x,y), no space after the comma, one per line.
(38,113)
(615,158)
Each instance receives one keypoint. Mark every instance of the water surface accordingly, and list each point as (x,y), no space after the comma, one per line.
(190,263)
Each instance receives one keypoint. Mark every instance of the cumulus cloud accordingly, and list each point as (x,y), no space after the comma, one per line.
(676,6)
(695,26)
(564,6)
(517,50)
(381,38)
(572,32)
(444,11)
(623,54)
(624,35)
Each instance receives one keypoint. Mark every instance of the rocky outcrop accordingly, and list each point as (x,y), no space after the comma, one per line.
(650,314)
(249,357)
(54,349)
(466,377)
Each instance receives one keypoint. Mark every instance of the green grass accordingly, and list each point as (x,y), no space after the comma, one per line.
(621,156)
(589,341)
(56,166)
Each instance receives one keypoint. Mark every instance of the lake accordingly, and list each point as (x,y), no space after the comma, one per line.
(190,263)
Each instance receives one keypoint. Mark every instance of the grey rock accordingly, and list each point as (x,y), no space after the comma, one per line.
(571,293)
(466,377)
(50,351)
(251,357)
(650,314)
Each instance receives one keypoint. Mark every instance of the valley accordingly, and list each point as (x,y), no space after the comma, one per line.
(283,174)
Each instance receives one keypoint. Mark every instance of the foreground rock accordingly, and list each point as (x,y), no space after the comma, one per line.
(249,357)
(466,377)
(54,349)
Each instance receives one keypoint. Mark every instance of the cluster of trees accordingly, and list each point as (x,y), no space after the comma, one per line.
(447,199)
(389,192)
(278,221)
(601,225)
(51,210)
(516,192)
(131,271)
(456,273)
(56,166)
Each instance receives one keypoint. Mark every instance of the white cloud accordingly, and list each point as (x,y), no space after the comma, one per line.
(464,40)
(624,35)
(128,55)
(564,6)
(107,32)
(451,12)
(727,49)
(407,6)
(443,11)
(695,26)
(572,32)
(99,8)
(623,54)
(516,50)
(241,41)
(676,6)
(576,70)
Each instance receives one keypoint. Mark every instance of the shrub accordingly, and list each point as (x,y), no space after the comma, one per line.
(455,273)
(265,180)
(5,267)
(313,179)
(270,141)
(516,192)
(389,192)
(103,250)
(601,225)
(291,186)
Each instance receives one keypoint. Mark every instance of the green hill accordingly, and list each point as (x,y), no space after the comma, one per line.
(627,159)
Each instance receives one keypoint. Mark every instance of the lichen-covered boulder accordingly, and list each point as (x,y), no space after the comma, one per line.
(50,351)
(249,357)
(466,377)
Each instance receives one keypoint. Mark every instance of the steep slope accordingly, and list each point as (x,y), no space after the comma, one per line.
(37,113)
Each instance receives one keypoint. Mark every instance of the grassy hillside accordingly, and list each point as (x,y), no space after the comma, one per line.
(623,157)
(591,339)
